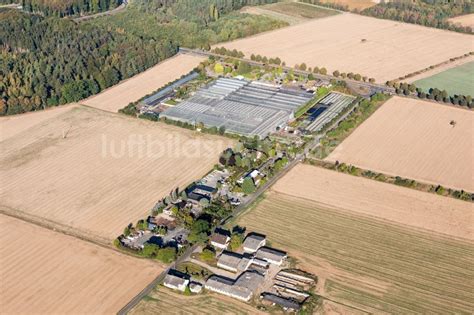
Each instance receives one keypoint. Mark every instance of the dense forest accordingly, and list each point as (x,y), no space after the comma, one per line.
(68,7)
(432,13)
(47,61)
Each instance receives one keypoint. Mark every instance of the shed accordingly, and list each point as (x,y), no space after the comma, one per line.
(253,242)
(271,255)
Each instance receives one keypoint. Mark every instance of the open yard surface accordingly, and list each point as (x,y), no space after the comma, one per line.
(133,89)
(381,49)
(163,300)
(290,12)
(414,139)
(458,80)
(464,20)
(43,272)
(365,263)
(106,172)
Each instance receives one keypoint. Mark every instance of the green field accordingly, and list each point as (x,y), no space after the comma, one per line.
(458,80)
(368,264)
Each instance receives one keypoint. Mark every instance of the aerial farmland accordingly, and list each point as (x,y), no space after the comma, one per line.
(415,139)
(376,247)
(131,90)
(382,49)
(96,172)
(59,274)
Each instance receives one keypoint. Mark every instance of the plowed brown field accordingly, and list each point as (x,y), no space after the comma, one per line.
(43,272)
(347,42)
(414,139)
(108,171)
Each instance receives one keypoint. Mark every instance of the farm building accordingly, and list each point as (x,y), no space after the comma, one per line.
(286,304)
(240,106)
(220,240)
(243,288)
(233,262)
(271,255)
(175,282)
(253,242)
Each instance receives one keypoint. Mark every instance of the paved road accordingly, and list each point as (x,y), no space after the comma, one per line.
(147,290)
(374,87)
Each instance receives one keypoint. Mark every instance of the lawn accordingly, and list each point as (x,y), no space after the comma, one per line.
(369,264)
(458,80)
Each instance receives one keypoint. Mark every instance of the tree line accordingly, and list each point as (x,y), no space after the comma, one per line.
(432,13)
(432,94)
(63,8)
(48,61)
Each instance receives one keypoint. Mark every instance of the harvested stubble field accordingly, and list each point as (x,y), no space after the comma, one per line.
(44,272)
(382,49)
(290,12)
(414,139)
(163,300)
(133,89)
(464,20)
(364,262)
(107,172)
(458,80)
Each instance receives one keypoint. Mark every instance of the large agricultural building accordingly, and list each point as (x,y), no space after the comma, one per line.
(244,107)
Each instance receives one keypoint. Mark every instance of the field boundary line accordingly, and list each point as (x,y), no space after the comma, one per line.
(413,229)
(426,184)
(65,230)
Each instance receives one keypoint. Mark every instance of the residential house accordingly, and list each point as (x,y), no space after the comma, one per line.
(220,241)
(175,281)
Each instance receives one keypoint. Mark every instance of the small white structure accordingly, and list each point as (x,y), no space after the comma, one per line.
(174,282)
(195,287)
(253,242)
